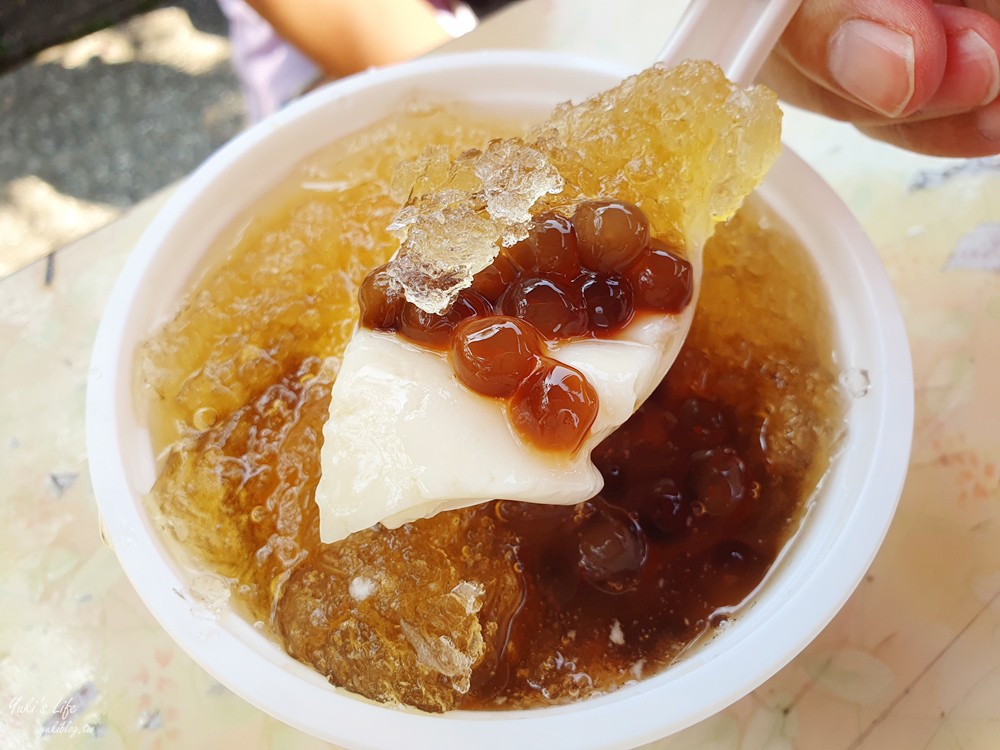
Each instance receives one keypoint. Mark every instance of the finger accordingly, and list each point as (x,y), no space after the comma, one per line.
(972,70)
(795,89)
(970,79)
(781,75)
(884,55)
(989,7)
(971,134)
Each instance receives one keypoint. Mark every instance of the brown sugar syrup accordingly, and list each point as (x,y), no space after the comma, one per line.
(704,485)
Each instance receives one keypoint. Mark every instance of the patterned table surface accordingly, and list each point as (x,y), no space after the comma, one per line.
(912,661)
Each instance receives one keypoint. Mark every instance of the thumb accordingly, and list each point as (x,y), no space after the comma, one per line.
(886,55)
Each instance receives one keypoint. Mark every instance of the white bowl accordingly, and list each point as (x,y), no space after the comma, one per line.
(817,574)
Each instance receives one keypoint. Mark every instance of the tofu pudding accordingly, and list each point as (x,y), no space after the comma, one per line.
(502,604)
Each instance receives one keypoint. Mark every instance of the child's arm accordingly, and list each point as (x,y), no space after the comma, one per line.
(345,36)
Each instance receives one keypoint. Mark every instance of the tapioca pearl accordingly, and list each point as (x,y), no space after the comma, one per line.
(610,301)
(652,450)
(493,280)
(718,480)
(689,375)
(434,331)
(551,247)
(553,305)
(613,549)
(703,424)
(381,300)
(656,427)
(611,235)
(493,355)
(666,508)
(554,408)
(662,279)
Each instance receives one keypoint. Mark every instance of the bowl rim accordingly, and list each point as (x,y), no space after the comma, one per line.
(630,716)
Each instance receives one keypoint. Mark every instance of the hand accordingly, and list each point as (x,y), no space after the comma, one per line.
(918,74)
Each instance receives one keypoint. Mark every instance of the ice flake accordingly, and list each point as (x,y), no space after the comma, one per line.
(361,588)
(617,637)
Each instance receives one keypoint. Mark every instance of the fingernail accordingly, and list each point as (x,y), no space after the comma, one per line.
(874,64)
(989,122)
(974,51)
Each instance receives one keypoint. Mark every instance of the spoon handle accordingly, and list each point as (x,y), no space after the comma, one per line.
(736,34)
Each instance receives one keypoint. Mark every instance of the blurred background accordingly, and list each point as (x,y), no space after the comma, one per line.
(102,103)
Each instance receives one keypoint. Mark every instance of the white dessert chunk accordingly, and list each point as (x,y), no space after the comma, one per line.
(406,439)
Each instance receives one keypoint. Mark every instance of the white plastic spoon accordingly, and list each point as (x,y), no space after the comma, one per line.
(737,34)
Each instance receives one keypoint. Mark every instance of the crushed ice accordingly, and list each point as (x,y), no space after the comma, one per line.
(210,594)
(638,142)
(470,594)
(440,654)
(856,381)
(360,588)
(458,215)
(617,636)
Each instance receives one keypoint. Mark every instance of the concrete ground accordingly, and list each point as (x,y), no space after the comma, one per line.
(91,127)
